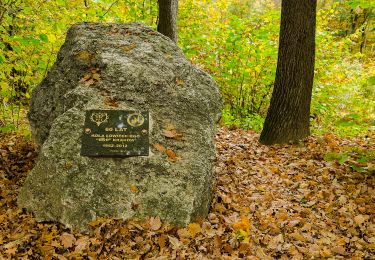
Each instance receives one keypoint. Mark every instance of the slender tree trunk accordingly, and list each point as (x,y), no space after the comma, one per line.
(167,24)
(288,116)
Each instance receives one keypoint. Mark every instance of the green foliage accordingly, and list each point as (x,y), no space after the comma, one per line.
(236,41)
(343,100)
(237,44)
(31,33)
(358,159)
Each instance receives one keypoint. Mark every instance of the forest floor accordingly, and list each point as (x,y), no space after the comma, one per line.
(284,202)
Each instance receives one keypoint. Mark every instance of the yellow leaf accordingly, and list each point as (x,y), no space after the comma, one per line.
(96,76)
(134,189)
(194,229)
(325,252)
(297,236)
(4,85)
(179,82)
(243,224)
(84,55)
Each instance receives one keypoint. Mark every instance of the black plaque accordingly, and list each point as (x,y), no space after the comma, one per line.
(115,133)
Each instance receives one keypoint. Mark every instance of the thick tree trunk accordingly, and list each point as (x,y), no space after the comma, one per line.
(288,116)
(167,24)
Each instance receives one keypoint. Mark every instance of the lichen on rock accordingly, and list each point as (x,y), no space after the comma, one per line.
(124,67)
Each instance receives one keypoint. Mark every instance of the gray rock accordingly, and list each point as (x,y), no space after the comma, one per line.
(128,67)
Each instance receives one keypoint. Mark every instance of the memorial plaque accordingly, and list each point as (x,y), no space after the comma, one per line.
(115,133)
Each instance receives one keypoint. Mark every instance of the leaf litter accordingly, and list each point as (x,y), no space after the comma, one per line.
(276,202)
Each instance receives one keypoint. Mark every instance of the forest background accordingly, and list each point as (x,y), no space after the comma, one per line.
(236,41)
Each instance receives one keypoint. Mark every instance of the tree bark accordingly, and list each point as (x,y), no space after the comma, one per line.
(167,23)
(288,116)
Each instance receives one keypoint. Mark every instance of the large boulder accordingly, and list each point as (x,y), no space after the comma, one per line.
(122,67)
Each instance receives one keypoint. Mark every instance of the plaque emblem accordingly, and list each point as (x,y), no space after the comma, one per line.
(99,118)
(135,119)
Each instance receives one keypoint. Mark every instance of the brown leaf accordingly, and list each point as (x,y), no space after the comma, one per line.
(86,77)
(90,82)
(339,250)
(173,134)
(217,246)
(297,236)
(159,148)
(162,241)
(109,101)
(359,219)
(127,48)
(60,257)
(67,240)
(47,249)
(11,250)
(155,223)
(172,156)
(81,244)
(183,233)
(174,242)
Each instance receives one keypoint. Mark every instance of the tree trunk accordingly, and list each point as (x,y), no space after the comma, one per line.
(288,116)
(167,24)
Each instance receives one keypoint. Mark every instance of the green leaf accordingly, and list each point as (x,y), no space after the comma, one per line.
(343,158)
(43,37)
(331,156)
(357,168)
(371,80)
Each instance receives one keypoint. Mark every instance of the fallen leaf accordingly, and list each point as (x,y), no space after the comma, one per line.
(134,189)
(297,236)
(67,240)
(81,244)
(173,134)
(183,233)
(155,223)
(162,241)
(96,76)
(325,252)
(11,250)
(194,229)
(127,48)
(243,224)
(111,102)
(176,244)
(90,82)
(159,148)
(84,55)
(172,156)
(179,82)
(339,250)
(217,246)
(359,219)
